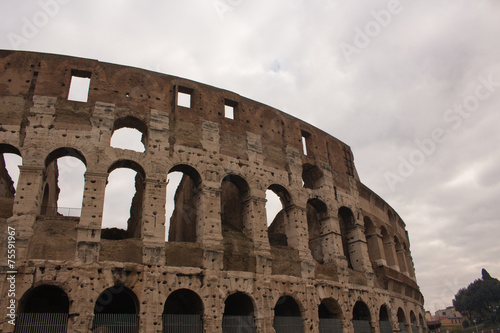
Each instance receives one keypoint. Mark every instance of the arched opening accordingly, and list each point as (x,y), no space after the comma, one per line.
(116,310)
(64,179)
(129,133)
(330,316)
(311,176)
(400,253)
(361,318)
(10,160)
(346,221)
(413,320)
(403,326)
(183,187)
(233,197)
(43,309)
(384,320)
(287,316)
(421,321)
(237,240)
(388,248)
(372,240)
(316,213)
(123,197)
(238,314)
(278,199)
(183,312)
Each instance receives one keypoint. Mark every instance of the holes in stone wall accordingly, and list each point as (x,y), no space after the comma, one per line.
(184,97)
(64,181)
(79,86)
(230,109)
(122,212)
(312,176)
(129,133)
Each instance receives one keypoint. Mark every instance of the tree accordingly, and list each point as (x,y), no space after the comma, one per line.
(480,300)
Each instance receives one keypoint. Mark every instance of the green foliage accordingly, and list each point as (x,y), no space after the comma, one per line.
(480,301)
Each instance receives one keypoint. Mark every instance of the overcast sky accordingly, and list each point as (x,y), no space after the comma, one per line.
(412,86)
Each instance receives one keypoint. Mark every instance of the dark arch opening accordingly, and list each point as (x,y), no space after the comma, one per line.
(371,240)
(402,321)
(234,192)
(413,320)
(311,176)
(181,205)
(330,316)
(361,318)
(316,213)
(44,308)
(346,221)
(116,308)
(183,310)
(238,314)
(384,321)
(287,316)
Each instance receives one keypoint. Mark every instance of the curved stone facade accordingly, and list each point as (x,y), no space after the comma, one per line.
(336,254)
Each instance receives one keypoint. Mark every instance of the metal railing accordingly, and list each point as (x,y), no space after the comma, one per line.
(238,324)
(361,326)
(42,323)
(402,327)
(115,323)
(284,324)
(385,326)
(330,325)
(64,211)
(182,323)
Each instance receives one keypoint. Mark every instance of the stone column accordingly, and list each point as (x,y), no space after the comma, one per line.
(331,240)
(208,227)
(390,254)
(88,235)
(402,261)
(376,248)
(297,237)
(153,222)
(358,248)
(26,207)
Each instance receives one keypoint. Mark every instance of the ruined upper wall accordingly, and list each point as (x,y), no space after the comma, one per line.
(27,74)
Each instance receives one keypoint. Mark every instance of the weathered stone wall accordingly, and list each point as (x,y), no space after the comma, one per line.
(224,248)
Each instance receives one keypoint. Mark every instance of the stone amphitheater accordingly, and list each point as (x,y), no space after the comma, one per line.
(336,258)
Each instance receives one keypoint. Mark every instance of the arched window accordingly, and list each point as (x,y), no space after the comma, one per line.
(129,133)
(413,320)
(316,213)
(183,312)
(278,200)
(287,316)
(238,314)
(346,221)
(10,159)
(388,248)
(122,213)
(372,240)
(116,309)
(361,318)
(403,325)
(330,316)
(64,180)
(43,309)
(183,187)
(311,176)
(421,321)
(237,240)
(384,320)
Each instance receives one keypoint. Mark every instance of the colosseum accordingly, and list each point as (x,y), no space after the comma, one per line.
(336,258)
